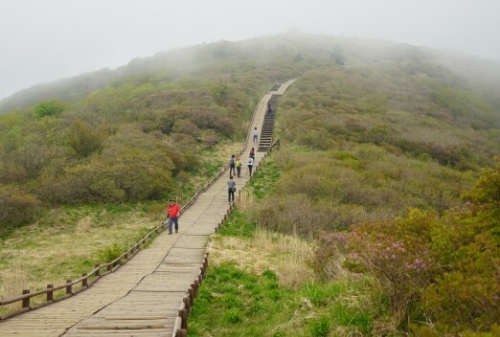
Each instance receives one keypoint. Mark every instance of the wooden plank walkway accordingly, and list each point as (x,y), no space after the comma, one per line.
(143,296)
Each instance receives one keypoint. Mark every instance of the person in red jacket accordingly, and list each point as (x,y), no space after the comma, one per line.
(173,212)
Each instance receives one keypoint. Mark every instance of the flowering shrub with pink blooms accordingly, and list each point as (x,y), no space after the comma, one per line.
(397,253)
(442,270)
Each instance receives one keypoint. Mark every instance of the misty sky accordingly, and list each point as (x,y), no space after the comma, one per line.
(46,40)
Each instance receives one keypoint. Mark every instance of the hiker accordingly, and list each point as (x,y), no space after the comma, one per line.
(231,188)
(173,213)
(238,167)
(269,108)
(255,135)
(252,154)
(232,165)
(250,166)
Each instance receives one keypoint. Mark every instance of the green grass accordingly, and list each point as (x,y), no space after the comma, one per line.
(210,163)
(319,327)
(68,242)
(238,225)
(237,300)
(263,183)
(236,303)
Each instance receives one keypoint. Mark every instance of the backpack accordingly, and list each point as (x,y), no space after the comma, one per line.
(231,161)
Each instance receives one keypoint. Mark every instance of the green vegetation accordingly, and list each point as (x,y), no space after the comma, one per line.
(242,296)
(265,180)
(378,216)
(439,268)
(50,108)
(236,303)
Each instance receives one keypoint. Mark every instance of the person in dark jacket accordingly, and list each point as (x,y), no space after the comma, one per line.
(252,153)
(231,188)
(232,165)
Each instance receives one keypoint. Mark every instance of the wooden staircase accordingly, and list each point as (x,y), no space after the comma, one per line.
(267,129)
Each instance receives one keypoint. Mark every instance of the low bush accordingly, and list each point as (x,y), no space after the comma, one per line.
(438,268)
(110,253)
(17,207)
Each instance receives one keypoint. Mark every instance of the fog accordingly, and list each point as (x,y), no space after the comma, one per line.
(42,41)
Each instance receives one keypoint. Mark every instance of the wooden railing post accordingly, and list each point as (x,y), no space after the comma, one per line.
(85,283)
(187,304)
(184,316)
(50,294)
(197,284)
(98,271)
(68,287)
(26,301)
(191,296)
(181,333)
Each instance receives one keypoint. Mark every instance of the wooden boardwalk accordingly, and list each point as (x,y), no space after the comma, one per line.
(143,296)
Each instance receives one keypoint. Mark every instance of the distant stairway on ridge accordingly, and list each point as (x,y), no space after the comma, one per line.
(267,130)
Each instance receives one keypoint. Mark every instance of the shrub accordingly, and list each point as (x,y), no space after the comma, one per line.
(466,295)
(50,108)
(328,255)
(397,253)
(487,188)
(17,206)
(443,268)
(110,253)
(296,215)
(84,140)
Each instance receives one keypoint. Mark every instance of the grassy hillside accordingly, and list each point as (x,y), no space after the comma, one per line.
(418,275)
(373,133)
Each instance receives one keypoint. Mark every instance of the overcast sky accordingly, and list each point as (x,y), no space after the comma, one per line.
(46,40)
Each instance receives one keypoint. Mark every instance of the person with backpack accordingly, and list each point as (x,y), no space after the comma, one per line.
(250,166)
(252,154)
(231,188)
(232,165)
(173,213)
(238,167)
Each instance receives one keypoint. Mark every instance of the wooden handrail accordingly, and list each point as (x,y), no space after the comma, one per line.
(83,280)
(111,266)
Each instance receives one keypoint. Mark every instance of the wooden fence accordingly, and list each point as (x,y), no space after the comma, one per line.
(73,287)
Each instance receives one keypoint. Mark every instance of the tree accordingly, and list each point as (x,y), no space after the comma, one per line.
(221,93)
(50,108)
(84,140)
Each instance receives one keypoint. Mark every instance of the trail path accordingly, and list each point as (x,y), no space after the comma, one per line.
(143,296)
